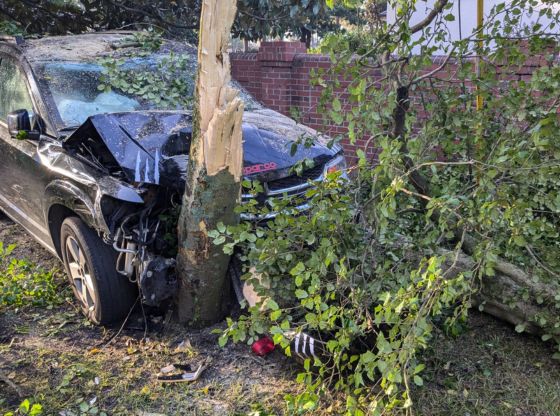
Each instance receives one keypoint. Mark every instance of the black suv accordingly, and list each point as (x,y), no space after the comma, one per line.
(94,174)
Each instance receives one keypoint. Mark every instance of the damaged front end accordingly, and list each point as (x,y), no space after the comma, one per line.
(144,241)
(149,150)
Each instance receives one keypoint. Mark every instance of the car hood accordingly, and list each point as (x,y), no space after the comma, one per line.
(153,146)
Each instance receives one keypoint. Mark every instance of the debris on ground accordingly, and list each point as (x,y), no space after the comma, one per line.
(263,346)
(6,379)
(186,373)
(183,347)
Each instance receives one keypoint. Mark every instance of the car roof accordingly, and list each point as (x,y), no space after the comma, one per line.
(90,47)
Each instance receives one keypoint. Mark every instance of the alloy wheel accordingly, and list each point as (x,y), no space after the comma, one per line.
(79,273)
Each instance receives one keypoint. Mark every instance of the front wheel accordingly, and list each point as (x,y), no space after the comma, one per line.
(104,295)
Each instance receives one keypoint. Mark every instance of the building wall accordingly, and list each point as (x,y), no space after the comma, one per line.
(279,76)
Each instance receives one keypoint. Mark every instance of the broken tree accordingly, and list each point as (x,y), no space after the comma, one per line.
(214,173)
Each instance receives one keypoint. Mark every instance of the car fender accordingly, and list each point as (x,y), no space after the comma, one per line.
(88,206)
(68,195)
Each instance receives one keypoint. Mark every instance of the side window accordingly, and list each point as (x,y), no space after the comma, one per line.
(13,89)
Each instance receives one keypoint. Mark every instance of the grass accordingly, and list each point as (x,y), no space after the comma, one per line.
(63,368)
(56,358)
(490,370)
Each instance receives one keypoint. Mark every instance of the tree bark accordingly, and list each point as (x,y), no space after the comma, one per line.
(501,295)
(305,36)
(214,173)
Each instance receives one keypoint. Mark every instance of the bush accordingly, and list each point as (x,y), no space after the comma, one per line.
(357,41)
(367,293)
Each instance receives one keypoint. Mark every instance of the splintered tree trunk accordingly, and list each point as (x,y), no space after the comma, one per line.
(214,173)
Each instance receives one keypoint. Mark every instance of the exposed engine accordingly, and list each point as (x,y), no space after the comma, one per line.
(146,247)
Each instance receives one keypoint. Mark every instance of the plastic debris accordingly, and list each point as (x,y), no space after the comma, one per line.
(263,346)
(185,374)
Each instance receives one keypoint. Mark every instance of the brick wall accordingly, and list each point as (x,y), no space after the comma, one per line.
(278,75)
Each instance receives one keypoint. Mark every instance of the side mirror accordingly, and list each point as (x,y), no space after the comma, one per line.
(19,125)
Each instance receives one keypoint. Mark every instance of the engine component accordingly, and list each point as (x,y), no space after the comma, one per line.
(157,279)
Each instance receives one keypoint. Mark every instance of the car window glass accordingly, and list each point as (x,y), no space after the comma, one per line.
(14,94)
(76,93)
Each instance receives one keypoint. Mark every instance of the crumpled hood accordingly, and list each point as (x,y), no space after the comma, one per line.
(153,146)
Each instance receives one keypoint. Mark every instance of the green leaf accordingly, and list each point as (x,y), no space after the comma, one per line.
(301,294)
(299,268)
(222,340)
(219,240)
(36,410)
(271,304)
(275,315)
(336,117)
(24,406)
(418,381)
(336,105)
(419,368)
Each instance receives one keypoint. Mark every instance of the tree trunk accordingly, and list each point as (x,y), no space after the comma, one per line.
(305,36)
(214,173)
(501,296)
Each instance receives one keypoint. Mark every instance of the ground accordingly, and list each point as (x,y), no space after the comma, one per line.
(56,358)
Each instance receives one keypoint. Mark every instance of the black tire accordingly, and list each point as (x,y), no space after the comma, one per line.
(111,295)
(234,273)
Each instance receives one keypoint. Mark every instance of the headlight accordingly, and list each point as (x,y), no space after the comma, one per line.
(336,165)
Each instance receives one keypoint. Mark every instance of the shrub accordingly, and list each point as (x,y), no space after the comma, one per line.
(369,294)
(25,284)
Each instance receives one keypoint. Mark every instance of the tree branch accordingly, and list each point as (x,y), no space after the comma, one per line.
(438,7)
(263,19)
(433,72)
(156,16)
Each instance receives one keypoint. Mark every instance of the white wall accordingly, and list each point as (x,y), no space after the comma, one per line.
(465,16)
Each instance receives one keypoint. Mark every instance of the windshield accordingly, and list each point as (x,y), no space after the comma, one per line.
(78,90)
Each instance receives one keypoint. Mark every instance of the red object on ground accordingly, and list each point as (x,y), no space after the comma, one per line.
(263,346)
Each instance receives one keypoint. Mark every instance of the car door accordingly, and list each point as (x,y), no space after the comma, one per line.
(22,175)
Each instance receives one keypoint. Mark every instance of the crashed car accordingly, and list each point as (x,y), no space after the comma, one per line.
(94,174)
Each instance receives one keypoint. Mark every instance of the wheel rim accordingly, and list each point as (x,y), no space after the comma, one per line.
(79,273)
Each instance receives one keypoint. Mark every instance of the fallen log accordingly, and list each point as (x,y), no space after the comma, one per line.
(514,296)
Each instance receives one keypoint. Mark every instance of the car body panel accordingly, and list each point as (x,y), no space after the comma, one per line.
(153,146)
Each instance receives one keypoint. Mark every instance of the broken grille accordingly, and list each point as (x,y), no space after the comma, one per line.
(294,181)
